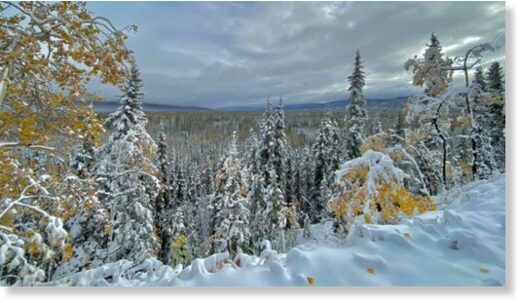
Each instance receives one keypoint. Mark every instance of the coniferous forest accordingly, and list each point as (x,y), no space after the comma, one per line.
(272,197)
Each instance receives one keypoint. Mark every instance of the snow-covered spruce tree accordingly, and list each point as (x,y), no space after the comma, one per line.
(127,173)
(179,182)
(496,111)
(326,161)
(483,160)
(179,247)
(272,153)
(84,158)
(163,207)
(267,143)
(289,182)
(356,111)
(480,79)
(306,206)
(431,70)
(88,223)
(231,215)
(495,78)
(280,143)
(274,214)
(376,126)
(398,131)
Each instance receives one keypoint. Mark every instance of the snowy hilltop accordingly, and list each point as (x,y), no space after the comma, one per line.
(460,244)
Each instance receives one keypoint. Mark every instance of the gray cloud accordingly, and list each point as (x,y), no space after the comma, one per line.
(223,53)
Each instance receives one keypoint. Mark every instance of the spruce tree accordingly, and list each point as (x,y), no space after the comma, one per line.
(231,216)
(326,161)
(127,174)
(163,205)
(496,114)
(376,126)
(494,77)
(356,111)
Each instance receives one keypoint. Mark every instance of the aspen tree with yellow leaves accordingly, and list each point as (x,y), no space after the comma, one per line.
(49,51)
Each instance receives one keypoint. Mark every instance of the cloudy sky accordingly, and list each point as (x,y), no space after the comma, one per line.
(218,54)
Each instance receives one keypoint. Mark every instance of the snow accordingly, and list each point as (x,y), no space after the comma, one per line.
(460,244)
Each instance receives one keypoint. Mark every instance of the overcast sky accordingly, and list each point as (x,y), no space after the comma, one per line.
(227,53)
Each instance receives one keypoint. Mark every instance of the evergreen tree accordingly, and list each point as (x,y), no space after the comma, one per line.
(280,140)
(484,164)
(480,79)
(84,158)
(356,111)
(495,78)
(231,216)
(127,173)
(273,215)
(496,114)
(163,204)
(399,128)
(376,126)
(326,161)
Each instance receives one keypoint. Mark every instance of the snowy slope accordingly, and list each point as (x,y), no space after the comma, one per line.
(461,244)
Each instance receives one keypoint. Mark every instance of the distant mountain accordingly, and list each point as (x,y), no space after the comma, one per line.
(380,105)
(110,106)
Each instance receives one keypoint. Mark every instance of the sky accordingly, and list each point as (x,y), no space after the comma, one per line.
(218,54)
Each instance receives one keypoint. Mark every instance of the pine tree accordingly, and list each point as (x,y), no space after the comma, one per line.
(356,111)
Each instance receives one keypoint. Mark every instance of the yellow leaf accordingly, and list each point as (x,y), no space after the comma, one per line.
(310,280)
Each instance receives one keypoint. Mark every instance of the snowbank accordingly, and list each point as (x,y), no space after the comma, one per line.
(461,244)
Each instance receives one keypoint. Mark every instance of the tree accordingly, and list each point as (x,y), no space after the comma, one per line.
(356,110)
(480,79)
(280,141)
(231,216)
(496,112)
(28,245)
(48,53)
(432,71)
(163,209)
(127,173)
(376,127)
(495,80)
(326,161)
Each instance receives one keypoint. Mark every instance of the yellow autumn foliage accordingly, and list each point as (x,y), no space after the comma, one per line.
(386,204)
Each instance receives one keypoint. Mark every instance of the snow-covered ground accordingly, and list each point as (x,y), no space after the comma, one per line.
(460,244)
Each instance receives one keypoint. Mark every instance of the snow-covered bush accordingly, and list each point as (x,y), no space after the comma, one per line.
(371,186)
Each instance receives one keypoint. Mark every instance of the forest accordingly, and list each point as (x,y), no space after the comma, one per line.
(130,197)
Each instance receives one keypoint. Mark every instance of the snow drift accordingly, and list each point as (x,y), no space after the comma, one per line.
(460,244)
